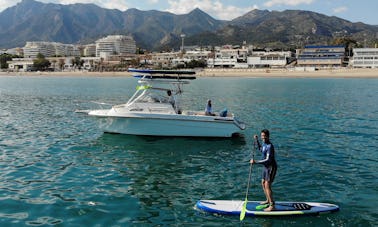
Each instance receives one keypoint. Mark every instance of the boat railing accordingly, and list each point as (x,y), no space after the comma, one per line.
(202,113)
(159,81)
(136,96)
(121,106)
(161,110)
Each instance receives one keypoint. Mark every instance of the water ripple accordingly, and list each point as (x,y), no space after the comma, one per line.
(57,168)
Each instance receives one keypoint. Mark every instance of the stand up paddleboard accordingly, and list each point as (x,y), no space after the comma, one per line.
(254,208)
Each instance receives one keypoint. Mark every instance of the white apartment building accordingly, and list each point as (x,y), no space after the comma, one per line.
(20,64)
(66,50)
(89,50)
(15,51)
(264,58)
(193,55)
(90,62)
(115,45)
(164,59)
(32,49)
(365,58)
(50,49)
(228,57)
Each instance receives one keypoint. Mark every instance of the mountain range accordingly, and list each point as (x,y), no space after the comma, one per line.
(31,20)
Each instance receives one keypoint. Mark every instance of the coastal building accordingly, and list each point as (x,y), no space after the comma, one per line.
(91,63)
(165,59)
(50,49)
(115,45)
(89,50)
(365,58)
(57,63)
(264,58)
(229,57)
(15,51)
(145,59)
(321,56)
(32,49)
(20,64)
(69,64)
(192,55)
(66,50)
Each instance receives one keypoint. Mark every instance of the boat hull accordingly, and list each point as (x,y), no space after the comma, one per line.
(167,125)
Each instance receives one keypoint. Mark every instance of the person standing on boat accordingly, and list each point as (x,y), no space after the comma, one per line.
(209,109)
(270,167)
(171,99)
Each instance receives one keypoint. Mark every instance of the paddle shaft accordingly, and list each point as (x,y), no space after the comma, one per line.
(250,170)
(242,213)
(249,181)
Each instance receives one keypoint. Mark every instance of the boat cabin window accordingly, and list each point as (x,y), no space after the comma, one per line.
(154,98)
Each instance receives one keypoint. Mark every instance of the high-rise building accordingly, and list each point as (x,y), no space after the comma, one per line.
(89,50)
(115,45)
(32,49)
(50,49)
(365,58)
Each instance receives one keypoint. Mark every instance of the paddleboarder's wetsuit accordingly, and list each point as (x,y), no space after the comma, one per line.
(269,162)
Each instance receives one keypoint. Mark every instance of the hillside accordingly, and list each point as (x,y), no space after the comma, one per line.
(30,20)
(288,29)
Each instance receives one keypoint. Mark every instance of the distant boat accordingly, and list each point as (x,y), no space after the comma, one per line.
(151,112)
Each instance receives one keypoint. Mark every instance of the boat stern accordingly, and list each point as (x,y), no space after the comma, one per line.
(239,123)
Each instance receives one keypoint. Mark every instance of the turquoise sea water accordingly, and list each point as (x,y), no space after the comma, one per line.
(58,168)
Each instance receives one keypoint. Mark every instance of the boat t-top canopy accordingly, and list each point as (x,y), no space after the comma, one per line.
(163,74)
(153,82)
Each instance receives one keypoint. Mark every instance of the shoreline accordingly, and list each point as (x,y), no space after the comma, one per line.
(242,73)
(286,73)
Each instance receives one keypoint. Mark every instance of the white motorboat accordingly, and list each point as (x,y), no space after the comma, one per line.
(150,111)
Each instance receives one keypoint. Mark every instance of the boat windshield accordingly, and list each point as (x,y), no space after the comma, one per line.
(160,88)
(156,92)
(154,97)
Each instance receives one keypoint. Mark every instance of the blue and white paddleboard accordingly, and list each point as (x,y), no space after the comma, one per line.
(254,208)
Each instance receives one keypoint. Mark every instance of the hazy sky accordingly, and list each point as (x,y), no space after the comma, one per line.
(355,11)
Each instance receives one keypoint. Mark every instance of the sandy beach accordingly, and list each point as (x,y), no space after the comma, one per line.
(277,73)
(264,73)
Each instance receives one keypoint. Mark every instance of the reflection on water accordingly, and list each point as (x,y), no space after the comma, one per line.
(57,168)
(160,172)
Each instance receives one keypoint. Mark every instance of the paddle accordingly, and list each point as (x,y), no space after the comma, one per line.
(244,208)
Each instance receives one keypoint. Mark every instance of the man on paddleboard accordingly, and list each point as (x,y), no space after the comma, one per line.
(270,167)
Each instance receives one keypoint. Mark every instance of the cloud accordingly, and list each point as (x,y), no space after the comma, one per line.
(110,4)
(5,4)
(287,2)
(214,8)
(340,9)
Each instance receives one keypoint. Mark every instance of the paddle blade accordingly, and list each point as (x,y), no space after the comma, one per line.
(244,208)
